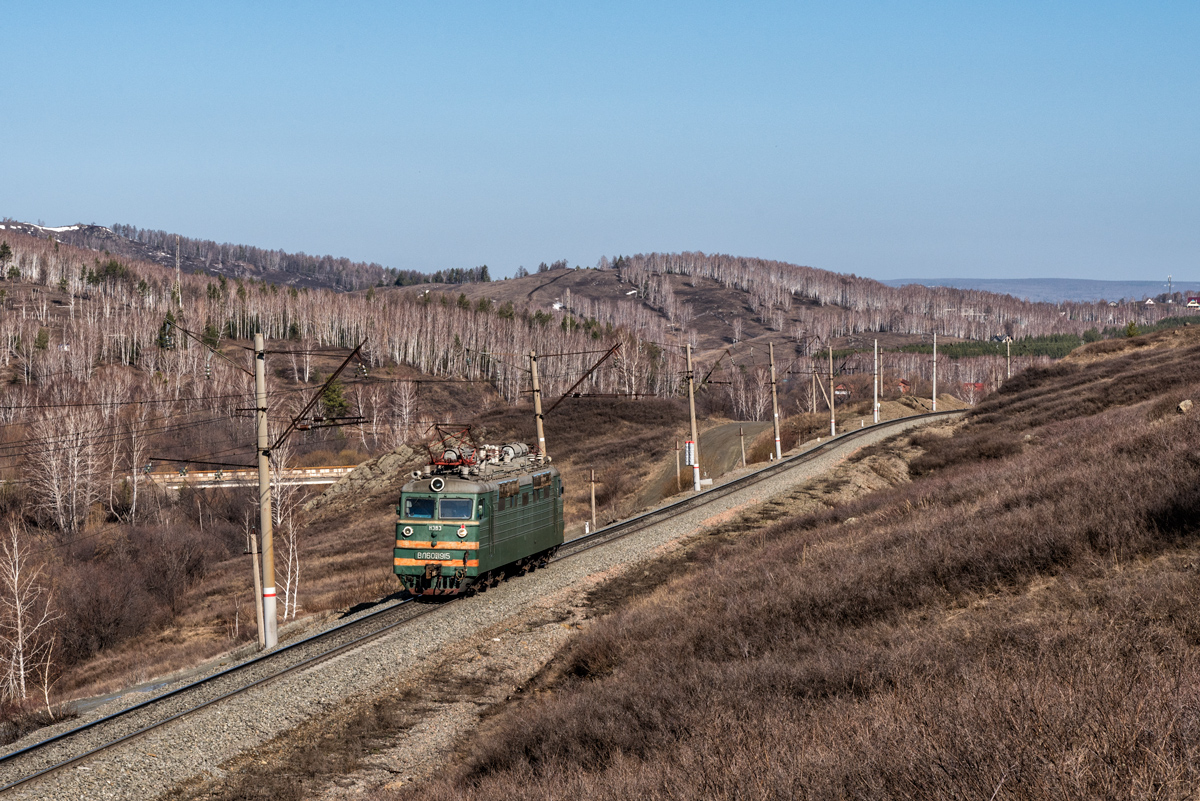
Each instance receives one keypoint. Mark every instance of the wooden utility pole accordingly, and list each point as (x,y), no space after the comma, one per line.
(537,404)
(593,500)
(692,446)
(832,397)
(742,437)
(875,382)
(774,407)
(814,389)
(935,371)
(270,638)
(258,610)
(678,481)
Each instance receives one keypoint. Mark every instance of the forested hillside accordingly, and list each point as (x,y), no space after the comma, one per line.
(239,261)
(115,366)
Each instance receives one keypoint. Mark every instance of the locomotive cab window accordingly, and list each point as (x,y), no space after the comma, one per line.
(419,508)
(455,508)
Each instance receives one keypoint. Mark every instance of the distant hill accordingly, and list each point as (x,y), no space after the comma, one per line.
(237,261)
(1058,290)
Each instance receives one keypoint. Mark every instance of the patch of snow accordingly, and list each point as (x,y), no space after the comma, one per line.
(61,228)
(556,306)
(631,292)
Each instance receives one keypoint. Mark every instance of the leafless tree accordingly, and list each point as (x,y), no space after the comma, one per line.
(759,393)
(65,465)
(404,412)
(27,618)
(285,508)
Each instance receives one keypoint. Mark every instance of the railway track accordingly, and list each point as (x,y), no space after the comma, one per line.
(647,519)
(70,748)
(62,751)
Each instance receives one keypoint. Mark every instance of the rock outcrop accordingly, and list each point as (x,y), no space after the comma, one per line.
(386,473)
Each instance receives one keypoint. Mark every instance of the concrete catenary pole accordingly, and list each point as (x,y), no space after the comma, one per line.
(742,437)
(537,404)
(935,371)
(774,407)
(693,445)
(875,382)
(1008,348)
(832,399)
(270,637)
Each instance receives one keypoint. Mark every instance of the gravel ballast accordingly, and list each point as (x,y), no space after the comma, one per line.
(491,643)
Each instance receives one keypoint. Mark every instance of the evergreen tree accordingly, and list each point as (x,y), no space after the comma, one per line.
(334,400)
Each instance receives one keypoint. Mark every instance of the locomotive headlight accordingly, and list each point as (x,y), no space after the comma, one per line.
(407,531)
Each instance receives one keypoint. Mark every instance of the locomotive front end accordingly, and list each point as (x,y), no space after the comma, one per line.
(442,521)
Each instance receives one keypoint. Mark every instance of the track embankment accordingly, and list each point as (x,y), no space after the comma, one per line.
(423,685)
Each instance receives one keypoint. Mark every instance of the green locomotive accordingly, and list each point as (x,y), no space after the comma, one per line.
(474,516)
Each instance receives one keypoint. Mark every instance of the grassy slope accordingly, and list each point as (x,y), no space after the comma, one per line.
(1018,622)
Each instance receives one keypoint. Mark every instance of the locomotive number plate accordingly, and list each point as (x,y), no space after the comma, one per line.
(440,555)
(435,528)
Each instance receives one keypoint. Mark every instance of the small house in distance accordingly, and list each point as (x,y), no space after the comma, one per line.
(1193,303)
(905,386)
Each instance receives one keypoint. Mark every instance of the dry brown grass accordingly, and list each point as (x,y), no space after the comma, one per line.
(1021,626)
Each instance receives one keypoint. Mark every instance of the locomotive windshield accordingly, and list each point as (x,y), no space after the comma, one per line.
(419,507)
(455,508)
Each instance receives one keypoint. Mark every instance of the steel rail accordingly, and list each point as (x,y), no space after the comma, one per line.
(639,522)
(573,547)
(251,663)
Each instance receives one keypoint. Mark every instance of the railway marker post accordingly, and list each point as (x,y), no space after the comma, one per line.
(678,481)
(593,499)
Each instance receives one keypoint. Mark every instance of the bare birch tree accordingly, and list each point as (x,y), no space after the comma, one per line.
(65,465)
(27,618)
(285,507)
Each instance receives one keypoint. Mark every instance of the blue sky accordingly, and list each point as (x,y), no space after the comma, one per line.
(886,139)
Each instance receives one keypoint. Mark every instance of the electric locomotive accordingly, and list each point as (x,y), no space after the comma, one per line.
(473,516)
